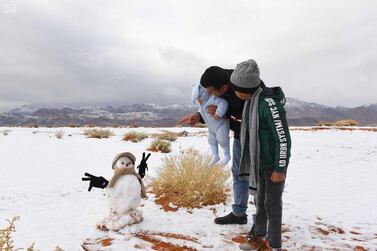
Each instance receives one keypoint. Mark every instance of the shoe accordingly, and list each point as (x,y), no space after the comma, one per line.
(224,161)
(254,243)
(214,160)
(231,219)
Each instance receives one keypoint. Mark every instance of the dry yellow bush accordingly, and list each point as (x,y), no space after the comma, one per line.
(160,145)
(166,135)
(98,133)
(200,125)
(343,122)
(324,123)
(6,241)
(134,136)
(346,122)
(187,180)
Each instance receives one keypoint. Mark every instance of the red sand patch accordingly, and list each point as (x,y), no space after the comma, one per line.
(164,202)
(106,242)
(335,229)
(360,248)
(165,246)
(355,233)
(323,231)
(326,230)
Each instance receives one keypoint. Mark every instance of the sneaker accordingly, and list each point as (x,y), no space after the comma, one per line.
(231,219)
(214,160)
(254,243)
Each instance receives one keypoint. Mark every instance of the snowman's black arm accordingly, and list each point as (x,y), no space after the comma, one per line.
(94,181)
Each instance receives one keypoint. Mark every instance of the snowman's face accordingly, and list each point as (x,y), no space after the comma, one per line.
(124,162)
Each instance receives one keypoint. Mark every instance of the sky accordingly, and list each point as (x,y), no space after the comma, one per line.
(93,52)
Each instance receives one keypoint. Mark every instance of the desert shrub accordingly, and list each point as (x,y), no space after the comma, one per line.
(160,145)
(183,134)
(6,238)
(166,135)
(6,241)
(346,122)
(200,125)
(187,180)
(98,133)
(324,123)
(134,136)
(343,122)
(6,132)
(59,134)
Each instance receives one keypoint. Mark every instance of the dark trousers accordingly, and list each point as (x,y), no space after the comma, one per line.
(269,209)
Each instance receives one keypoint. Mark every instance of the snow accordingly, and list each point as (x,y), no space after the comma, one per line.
(330,185)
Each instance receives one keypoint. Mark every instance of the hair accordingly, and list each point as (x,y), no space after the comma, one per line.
(215,77)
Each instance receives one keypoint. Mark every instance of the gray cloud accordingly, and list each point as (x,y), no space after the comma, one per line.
(96,53)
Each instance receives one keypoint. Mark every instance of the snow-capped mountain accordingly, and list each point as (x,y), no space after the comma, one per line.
(299,113)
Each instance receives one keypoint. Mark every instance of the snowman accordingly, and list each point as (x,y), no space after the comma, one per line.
(125,190)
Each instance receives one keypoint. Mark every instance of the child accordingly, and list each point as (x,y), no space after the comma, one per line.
(265,144)
(218,126)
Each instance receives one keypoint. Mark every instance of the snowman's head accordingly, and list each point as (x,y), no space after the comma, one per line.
(124,162)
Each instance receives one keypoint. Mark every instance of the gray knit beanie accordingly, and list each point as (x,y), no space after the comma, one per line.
(245,78)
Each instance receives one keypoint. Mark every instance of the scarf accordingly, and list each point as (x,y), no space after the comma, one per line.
(249,137)
(127,171)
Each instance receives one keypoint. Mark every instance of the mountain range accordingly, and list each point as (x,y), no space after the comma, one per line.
(299,113)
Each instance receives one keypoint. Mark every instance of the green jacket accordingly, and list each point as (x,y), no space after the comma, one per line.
(274,137)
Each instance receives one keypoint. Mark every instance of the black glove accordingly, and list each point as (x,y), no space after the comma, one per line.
(95,181)
(143,165)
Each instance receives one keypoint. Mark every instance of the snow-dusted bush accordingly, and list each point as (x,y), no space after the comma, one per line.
(183,134)
(160,145)
(98,133)
(6,238)
(187,180)
(134,136)
(324,123)
(6,132)
(166,135)
(6,241)
(200,125)
(343,122)
(346,122)
(59,134)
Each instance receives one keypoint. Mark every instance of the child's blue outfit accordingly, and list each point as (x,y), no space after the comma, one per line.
(218,129)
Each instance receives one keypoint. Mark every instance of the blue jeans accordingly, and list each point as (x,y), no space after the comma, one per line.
(240,188)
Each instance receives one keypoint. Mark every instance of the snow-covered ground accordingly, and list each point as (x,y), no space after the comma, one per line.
(330,199)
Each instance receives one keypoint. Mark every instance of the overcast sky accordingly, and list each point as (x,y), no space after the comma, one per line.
(125,52)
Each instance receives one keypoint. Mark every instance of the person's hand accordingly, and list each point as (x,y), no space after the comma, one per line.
(212,109)
(95,181)
(191,119)
(277,177)
(143,165)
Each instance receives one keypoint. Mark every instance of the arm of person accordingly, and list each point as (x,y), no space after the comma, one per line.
(276,117)
(222,108)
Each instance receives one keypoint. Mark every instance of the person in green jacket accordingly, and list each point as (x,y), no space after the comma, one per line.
(265,144)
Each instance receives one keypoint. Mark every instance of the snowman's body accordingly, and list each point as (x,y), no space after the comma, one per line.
(125,195)
(124,200)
